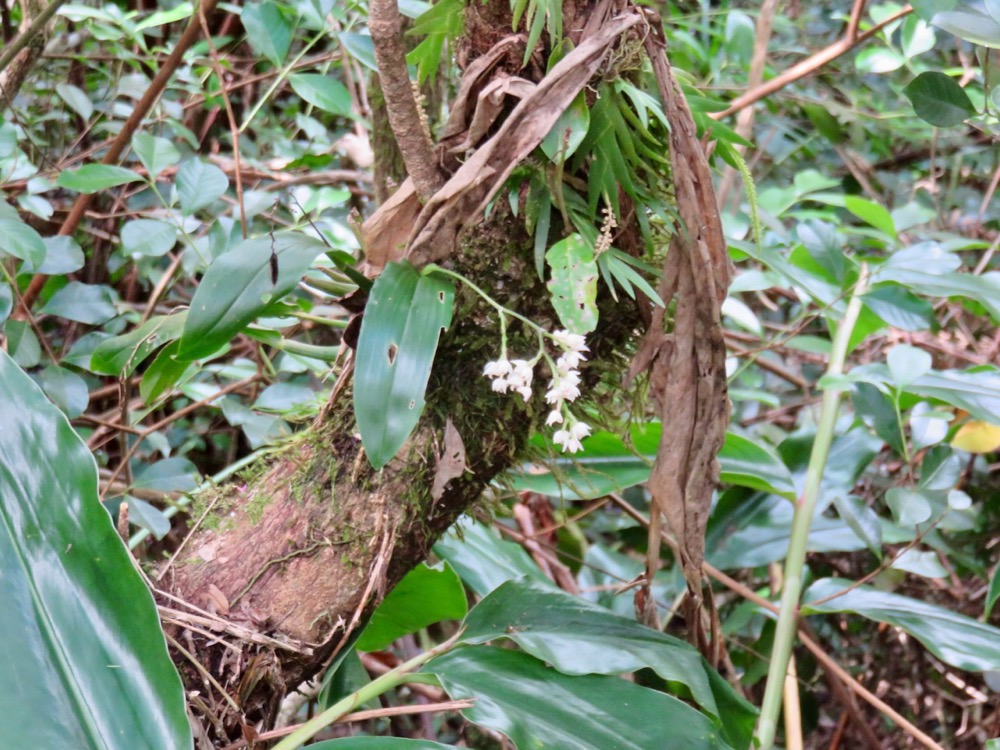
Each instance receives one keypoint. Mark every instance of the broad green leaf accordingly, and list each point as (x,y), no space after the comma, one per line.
(577,638)
(80,628)
(871,213)
(285,397)
(174,474)
(425,596)
(6,301)
(877,411)
(324,92)
(920,563)
(379,743)
(862,520)
(85,303)
(482,559)
(976,392)
(909,507)
(22,344)
(404,317)
(899,307)
(145,516)
(199,184)
(78,101)
(939,100)
(568,132)
(21,241)
(971,21)
(159,18)
(538,707)
(953,638)
(122,354)
(268,30)
(62,255)
(993,594)
(66,389)
(148,238)
(607,464)
(163,373)
(92,178)
(239,285)
(156,154)
(574,283)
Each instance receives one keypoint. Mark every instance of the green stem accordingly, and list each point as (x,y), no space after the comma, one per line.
(805,509)
(373,689)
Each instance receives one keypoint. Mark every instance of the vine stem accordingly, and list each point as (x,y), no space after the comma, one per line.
(373,689)
(805,509)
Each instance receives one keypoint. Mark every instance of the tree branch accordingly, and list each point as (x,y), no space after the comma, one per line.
(404,118)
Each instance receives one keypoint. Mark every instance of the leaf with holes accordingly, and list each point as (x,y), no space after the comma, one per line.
(405,315)
(574,283)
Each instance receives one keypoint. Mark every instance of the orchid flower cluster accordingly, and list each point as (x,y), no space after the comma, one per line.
(516,375)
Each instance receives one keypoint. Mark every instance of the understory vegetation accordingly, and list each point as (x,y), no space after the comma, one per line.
(490,374)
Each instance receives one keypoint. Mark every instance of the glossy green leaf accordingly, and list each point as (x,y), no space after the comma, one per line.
(146,516)
(577,638)
(538,707)
(62,255)
(568,132)
(863,521)
(324,92)
(80,628)
(239,285)
(268,30)
(970,21)
(6,301)
(425,596)
(607,464)
(404,317)
(939,100)
(85,303)
(993,594)
(199,184)
(899,307)
(122,354)
(574,283)
(482,559)
(976,392)
(871,213)
(163,373)
(953,638)
(21,241)
(22,344)
(92,178)
(174,474)
(156,154)
(66,389)
(77,100)
(148,238)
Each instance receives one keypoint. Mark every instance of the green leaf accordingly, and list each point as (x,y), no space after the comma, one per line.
(156,154)
(403,320)
(899,307)
(199,184)
(78,101)
(80,628)
(6,301)
(953,638)
(577,638)
(268,30)
(608,464)
(148,238)
(484,560)
(85,303)
(92,178)
(871,213)
(939,100)
(174,474)
(145,516)
(976,392)
(569,131)
(970,21)
(574,283)
(425,596)
(238,286)
(862,520)
(163,373)
(538,707)
(122,354)
(324,92)
(21,241)
(66,389)
(22,344)
(993,594)
(62,255)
